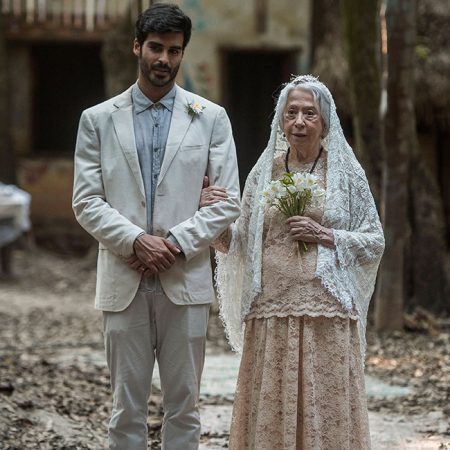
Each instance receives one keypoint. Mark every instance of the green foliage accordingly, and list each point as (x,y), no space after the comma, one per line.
(422,51)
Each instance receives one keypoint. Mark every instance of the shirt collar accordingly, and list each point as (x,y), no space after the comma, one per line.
(141,102)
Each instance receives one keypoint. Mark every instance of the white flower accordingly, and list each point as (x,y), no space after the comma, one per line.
(267,197)
(299,181)
(310,179)
(304,182)
(194,108)
(277,189)
(274,190)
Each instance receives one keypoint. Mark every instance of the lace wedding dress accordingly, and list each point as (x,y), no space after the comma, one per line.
(301,380)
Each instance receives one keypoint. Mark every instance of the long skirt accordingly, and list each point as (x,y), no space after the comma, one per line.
(300,386)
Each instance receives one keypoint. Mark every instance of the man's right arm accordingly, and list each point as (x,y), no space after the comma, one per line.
(91,209)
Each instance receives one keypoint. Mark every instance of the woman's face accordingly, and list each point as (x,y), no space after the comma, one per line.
(302,122)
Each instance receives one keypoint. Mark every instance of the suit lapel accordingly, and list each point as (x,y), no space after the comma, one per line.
(123,124)
(178,127)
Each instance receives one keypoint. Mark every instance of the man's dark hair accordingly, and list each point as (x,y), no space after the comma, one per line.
(163,18)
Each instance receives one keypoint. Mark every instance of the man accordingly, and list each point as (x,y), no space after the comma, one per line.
(140,161)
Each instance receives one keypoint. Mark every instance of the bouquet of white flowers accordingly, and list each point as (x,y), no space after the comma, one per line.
(292,193)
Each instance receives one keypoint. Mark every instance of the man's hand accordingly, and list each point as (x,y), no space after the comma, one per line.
(135,263)
(155,253)
(211,194)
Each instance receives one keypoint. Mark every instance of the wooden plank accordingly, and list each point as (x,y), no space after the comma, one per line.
(30,11)
(6,6)
(55,10)
(17,8)
(67,13)
(90,15)
(78,13)
(100,13)
(42,10)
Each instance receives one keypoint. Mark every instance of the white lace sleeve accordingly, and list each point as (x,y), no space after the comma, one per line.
(363,242)
(231,269)
(242,224)
(349,271)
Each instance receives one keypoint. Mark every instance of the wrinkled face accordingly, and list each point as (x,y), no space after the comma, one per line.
(159,58)
(302,123)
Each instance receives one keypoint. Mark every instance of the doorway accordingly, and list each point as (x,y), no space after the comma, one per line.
(68,78)
(249,79)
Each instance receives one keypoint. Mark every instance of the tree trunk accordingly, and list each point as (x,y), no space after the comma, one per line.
(361,32)
(119,62)
(324,25)
(7,160)
(401,140)
(430,284)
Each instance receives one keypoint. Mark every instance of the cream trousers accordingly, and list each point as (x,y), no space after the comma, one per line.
(152,327)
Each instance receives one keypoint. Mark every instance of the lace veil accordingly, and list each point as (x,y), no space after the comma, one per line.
(348,272)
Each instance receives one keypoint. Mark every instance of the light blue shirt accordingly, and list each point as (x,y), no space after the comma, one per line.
(151,128)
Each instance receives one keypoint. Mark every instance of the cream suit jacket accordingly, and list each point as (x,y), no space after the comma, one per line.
(109,200)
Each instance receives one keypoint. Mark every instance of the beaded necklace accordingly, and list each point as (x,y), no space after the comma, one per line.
(313,166)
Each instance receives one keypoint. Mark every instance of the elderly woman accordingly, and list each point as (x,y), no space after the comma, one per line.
(299,318)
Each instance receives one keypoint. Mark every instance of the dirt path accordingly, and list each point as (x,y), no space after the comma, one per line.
(54,386)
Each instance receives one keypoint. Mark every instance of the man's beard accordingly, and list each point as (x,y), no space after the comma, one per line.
(155,80)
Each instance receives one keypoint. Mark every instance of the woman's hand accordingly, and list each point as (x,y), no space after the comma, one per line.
(211,194)
(302,228)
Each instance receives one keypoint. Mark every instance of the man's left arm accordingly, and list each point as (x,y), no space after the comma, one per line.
(196,233)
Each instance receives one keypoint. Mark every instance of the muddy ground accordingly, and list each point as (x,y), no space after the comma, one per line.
(54,387)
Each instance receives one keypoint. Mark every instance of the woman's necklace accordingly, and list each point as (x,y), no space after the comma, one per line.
(313,166)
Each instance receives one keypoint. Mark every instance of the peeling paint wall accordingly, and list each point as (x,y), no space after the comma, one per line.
(220,24)
(49,181)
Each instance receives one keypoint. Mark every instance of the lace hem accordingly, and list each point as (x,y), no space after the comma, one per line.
(308,313)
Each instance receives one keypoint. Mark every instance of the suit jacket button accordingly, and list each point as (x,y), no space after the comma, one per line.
(143,204)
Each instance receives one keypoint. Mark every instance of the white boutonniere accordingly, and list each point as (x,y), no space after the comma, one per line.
(194,108)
